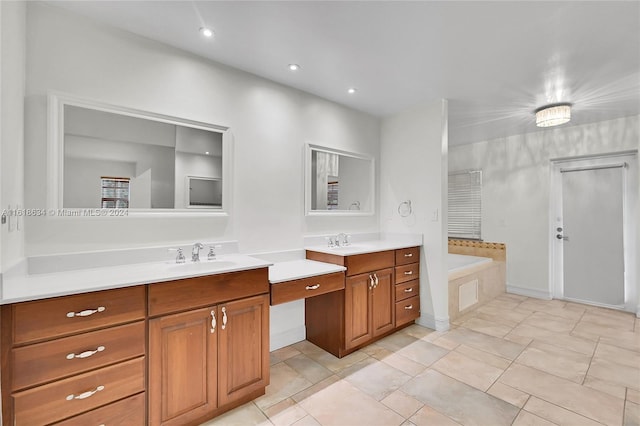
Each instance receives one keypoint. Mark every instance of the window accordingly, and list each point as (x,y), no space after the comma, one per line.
(465,204)
(115,193)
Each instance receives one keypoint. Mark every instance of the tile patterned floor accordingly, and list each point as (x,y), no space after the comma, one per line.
(515,361)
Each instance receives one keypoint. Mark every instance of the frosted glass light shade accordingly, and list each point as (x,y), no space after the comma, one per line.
(553,115)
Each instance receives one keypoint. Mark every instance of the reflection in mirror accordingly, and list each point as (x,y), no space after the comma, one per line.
(120,158)
(338,182)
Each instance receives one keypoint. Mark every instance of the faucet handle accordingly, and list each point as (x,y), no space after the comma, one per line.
(212,254)
(179,256)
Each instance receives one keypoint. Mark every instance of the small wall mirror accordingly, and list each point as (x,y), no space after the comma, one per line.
(338,182)
(105,156)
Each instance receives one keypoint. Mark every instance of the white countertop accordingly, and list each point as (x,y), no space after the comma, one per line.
(364,247)
(297,269)
(40,286)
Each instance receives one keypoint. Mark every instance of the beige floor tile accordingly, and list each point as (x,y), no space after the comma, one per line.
(487,327)
(563,340)
(374,378)
(612,336)
(306,347)
(550,322)
(510,297)
(245,415)
(418,331)
(307,421)
(310,391)
(343,404)
(462,403)
(508,394)
(376,351)
(285,382)
(522,340)
(631,414)
(308,368)
(427,416)
(527,419)
(422,352)
(625,340)
(633,396)
(612,389)
(556,414)
(491,344)
(504,304)
(468,370)
(283,353)
(615,373)
(588,402)
(336,364)
(624,322)
(404,364)
(618,355)
(396,341)
(537,305)
(511,317)
(555,360)
(446,343)
(402,404)
(486,357)
(285,413)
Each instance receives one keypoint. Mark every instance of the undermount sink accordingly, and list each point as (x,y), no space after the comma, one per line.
(204,265)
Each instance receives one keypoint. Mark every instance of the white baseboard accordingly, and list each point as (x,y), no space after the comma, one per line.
(437,324)
(529,292)
(287,337)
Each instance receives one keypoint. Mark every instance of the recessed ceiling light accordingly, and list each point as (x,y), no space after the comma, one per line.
(207,32)
(294,67)
(351,90)
(207,152)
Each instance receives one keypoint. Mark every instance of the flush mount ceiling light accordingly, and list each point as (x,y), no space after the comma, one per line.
(207,32)
(553,115)
(294,67)
(351,90)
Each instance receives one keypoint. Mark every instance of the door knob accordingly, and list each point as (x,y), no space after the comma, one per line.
(560,237)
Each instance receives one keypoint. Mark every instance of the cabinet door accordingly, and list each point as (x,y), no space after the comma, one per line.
(182,367)
(383,303)
(243,348)
(357,310)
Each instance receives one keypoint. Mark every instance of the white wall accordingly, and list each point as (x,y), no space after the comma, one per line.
(515,193)
(83,179)
(414,167)
(12,89)
(269,124)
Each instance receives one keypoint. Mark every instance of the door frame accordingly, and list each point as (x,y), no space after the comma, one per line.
(631,209)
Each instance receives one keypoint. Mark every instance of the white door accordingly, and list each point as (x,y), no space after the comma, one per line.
(591,233)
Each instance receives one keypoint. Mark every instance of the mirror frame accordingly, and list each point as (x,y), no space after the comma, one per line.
(56,102)
(309,148)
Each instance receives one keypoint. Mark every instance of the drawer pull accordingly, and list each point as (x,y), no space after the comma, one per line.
(408,255)
(86,354)
(86,312)
(85,395)
(408,272)
(408,307)
(224,318)
(408,290)
(313,287)
(213,321)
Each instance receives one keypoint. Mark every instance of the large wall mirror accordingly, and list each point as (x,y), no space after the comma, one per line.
(338,182)
(110,157)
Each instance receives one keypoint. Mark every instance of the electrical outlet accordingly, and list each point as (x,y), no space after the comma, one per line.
(434,215)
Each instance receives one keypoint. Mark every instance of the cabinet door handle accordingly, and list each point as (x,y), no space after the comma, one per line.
(224,318)
(213,321)
(408,255)
(85,395)
(408,290)
(370,282)
(375,277)
(408,307)
(313,287)
(408,272)
(86,354)
(86,312)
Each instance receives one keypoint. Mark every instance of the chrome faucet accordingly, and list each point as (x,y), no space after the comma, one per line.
(341,239)
(195,252)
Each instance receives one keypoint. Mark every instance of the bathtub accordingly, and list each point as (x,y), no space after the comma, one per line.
(459,262)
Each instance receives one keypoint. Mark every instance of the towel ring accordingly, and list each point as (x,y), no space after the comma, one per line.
(405,209)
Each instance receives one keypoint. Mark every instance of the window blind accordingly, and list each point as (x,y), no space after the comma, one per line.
(465,204)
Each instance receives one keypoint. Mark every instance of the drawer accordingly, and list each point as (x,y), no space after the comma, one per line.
(128,412)
(59,400)
(306,287)
(407,255)
(45,319)
(407,310)
(368,262)
(192,293)
(407,290)
(406,273)
(45,362)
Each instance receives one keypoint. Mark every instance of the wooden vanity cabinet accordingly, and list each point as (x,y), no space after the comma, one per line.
(367,309)
(208,346)
(73,358)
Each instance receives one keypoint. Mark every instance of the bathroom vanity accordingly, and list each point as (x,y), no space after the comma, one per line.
(183,351)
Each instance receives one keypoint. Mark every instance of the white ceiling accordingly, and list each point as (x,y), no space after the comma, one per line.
(494,61)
